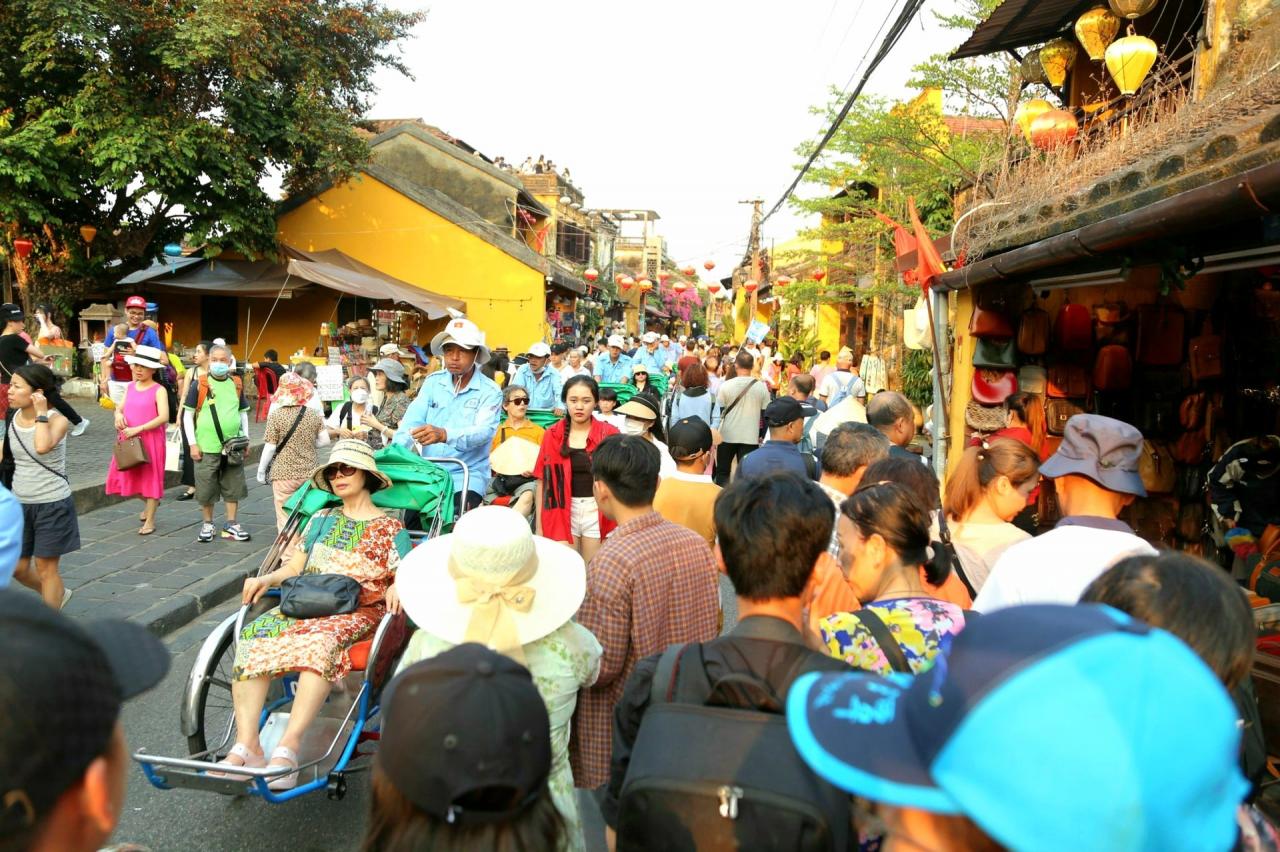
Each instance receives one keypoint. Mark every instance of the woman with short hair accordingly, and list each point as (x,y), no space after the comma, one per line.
(390,379)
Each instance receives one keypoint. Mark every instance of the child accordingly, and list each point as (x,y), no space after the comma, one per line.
(608,402)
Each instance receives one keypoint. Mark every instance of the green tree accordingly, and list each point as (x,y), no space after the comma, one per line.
(154,122)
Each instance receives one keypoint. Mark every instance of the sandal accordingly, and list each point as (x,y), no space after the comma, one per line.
(186,495)
(248,760)
(287,757)
(147,529)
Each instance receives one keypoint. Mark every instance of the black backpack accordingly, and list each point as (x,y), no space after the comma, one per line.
(708,776)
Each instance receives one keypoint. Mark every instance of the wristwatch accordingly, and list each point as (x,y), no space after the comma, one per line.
(43,418)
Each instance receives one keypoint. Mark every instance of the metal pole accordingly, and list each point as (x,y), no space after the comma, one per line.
(941,417)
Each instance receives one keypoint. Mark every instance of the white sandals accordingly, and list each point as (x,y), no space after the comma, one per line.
(249,761)
(289,781)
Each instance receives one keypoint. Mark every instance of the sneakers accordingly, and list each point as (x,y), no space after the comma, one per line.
(233,531)
(78,429)
(206,533)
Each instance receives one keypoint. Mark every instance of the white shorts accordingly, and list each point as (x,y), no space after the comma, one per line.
(116,390)
(586,518)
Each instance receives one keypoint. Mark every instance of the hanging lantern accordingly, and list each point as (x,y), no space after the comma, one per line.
(645,285)
(23,247)
(1029,111)
(1031,70)
(818,275)
(784,280)
(713,287)
(750,285)
(1129,60)
(709,265)
(1057,57)
(1131,8)
(627,282)
(688,270)
(1096,29)
(87,233)
(679,286)
(664,277)
(1053,129)
(591,274)
(173,250)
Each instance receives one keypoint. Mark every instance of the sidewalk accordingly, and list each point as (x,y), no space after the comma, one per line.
(163,580)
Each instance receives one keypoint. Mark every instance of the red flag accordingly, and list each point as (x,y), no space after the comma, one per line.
(903,242)
(929,263)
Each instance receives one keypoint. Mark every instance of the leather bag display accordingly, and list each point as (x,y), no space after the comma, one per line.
(1205,355)
(1113,369)
(989,323)
(985,419)
(993,387)
(1155,519)
(1068,381)
(1156,467)
(1161,333)
(1033,379)
(1073,328)
(994,354)
(1033,332)
(1057,412)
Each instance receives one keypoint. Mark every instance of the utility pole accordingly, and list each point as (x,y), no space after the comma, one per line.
(753,245)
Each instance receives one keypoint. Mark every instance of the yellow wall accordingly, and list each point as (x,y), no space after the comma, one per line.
(764,313)
(375,224)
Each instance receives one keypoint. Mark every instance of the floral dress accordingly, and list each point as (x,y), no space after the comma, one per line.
(562,662)
(919,624)
(367,551)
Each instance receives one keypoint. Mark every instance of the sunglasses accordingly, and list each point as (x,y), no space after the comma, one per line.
(519,401)
(334,471)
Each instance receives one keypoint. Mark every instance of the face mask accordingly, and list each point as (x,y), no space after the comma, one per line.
(360,396)
(633,427)
(219,370)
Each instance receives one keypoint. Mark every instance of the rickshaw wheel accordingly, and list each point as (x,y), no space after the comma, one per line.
(337,786)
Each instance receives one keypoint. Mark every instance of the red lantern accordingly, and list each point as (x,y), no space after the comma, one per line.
(23,246)
(713,288)
(709,265)
(591,274)
(679,286)
(1053,129)
(626,282)
(750,285)
(664,277)
(818,275)
(784,280)
(688,270)
(645,285)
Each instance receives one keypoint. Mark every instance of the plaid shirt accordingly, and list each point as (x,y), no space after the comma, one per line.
(651,584)
(837,497)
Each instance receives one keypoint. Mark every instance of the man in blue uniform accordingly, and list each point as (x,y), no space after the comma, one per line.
(616,368)
(543,384)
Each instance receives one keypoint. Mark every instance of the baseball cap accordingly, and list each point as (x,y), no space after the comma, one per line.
(649,337)
(135,302)
(1103,449)
(1050,727)
(665,339)
(460,722)
(61,686)
(688,436)
(616,340)
(786,409)
(11,312)
(539,350)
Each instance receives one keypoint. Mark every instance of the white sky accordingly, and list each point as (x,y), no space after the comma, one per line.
(682,107)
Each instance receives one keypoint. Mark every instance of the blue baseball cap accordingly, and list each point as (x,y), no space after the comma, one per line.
(1050,727)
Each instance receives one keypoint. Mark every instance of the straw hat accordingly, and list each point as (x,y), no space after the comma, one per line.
(492,581)
(352,451)
(146,356)
(515,456)
(640,407)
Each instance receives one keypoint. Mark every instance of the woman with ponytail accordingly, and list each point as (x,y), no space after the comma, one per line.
(891,564)
(989,488)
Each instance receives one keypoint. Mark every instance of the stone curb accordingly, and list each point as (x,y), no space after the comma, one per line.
(181,608)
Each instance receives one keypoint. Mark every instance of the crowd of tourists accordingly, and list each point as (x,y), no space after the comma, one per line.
(909,665)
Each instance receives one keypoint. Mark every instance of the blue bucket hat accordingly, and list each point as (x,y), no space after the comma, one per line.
(1050,727)
(1103,449)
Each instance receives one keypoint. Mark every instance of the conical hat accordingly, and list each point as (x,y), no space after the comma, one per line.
(515,456)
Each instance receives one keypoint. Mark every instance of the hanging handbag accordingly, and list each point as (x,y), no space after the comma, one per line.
(1113,369)
(129,453)
(1057,413)
(994,354)
(234,449)
(1155,466)
(1074,327)
(319,595)
(1155,519)
(993,387)
(1068,381)
(1033,332)
(985,418)
(1160,333)
(1205,354)
(989,323)
(7,465)
(1033,379)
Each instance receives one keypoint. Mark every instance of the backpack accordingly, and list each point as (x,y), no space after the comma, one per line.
(711,776)
(202,391)
(842,393)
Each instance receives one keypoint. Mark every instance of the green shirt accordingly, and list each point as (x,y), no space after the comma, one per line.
(222,394)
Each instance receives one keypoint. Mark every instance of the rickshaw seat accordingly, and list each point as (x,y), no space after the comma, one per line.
(359,654)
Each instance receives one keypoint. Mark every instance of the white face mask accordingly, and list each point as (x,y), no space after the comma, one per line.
(633,427)
(359,396)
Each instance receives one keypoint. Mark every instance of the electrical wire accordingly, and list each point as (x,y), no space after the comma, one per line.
(908,12)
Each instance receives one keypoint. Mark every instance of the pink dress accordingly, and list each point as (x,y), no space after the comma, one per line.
(145,480)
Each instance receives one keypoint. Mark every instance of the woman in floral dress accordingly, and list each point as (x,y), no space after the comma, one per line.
(355,540)
(884,551)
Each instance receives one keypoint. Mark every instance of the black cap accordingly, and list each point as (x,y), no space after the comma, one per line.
(688,437)
(787,409)
(466,720)
(61,686)
(9,312)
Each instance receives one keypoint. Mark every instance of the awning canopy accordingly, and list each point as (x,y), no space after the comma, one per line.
(656,312)
(330,268)
(566,281)
(1018,23)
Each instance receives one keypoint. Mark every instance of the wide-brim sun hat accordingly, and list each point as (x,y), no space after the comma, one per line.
(515,456)
(393,369)
(640,407)
(491,559)
(146,356)
(637,369)
(1103,449)
(354,452)
(462,332)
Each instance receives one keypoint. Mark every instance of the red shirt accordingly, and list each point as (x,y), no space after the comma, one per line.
(556,473)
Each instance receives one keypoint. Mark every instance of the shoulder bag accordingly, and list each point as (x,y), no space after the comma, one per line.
(884,638)
(737,399)
(35,458)
(318,595)
(233,449)
(302,412)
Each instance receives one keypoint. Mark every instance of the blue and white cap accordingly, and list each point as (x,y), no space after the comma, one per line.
(1050,727)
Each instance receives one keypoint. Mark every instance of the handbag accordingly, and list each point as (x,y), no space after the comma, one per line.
(1033,332)
(986,322)
(1113,369)
(1155,466)
(1033,379)
(129,453)
(1160,332)
(985,418)
(173,449)
(319,595)
(1068,381)
(994,354)
(1205,354)
(993,387)
(233,449)
(1057,413)
(1074,327)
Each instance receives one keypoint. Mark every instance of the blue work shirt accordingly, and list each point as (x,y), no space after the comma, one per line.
(544,390)
(654,360)
(614,372)
(469,417)
(774,456)
(670,354)
(10,535)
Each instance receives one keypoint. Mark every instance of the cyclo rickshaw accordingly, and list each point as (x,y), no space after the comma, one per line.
(349,716)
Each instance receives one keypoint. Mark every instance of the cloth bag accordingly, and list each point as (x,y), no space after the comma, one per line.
(173,449)
(129,453)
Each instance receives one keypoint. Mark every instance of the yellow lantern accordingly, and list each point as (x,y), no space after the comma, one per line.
(1032,71)
(1131,8)
(1129,59)
(1057,57)
(1096,29)
(1029,111)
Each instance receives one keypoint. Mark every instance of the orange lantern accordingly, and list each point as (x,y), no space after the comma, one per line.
(688,270)
(679,286)
(23,246)
(645,285)
(664,277)
(750,285)
(709,265)
(627,282)
(1029,111)
(818,275)
(591,274)
(784,280)
(713,288)
(1053,129)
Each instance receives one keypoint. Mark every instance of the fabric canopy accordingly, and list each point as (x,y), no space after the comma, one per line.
(330,268)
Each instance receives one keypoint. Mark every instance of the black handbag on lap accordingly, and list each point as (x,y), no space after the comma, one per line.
(318,595)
